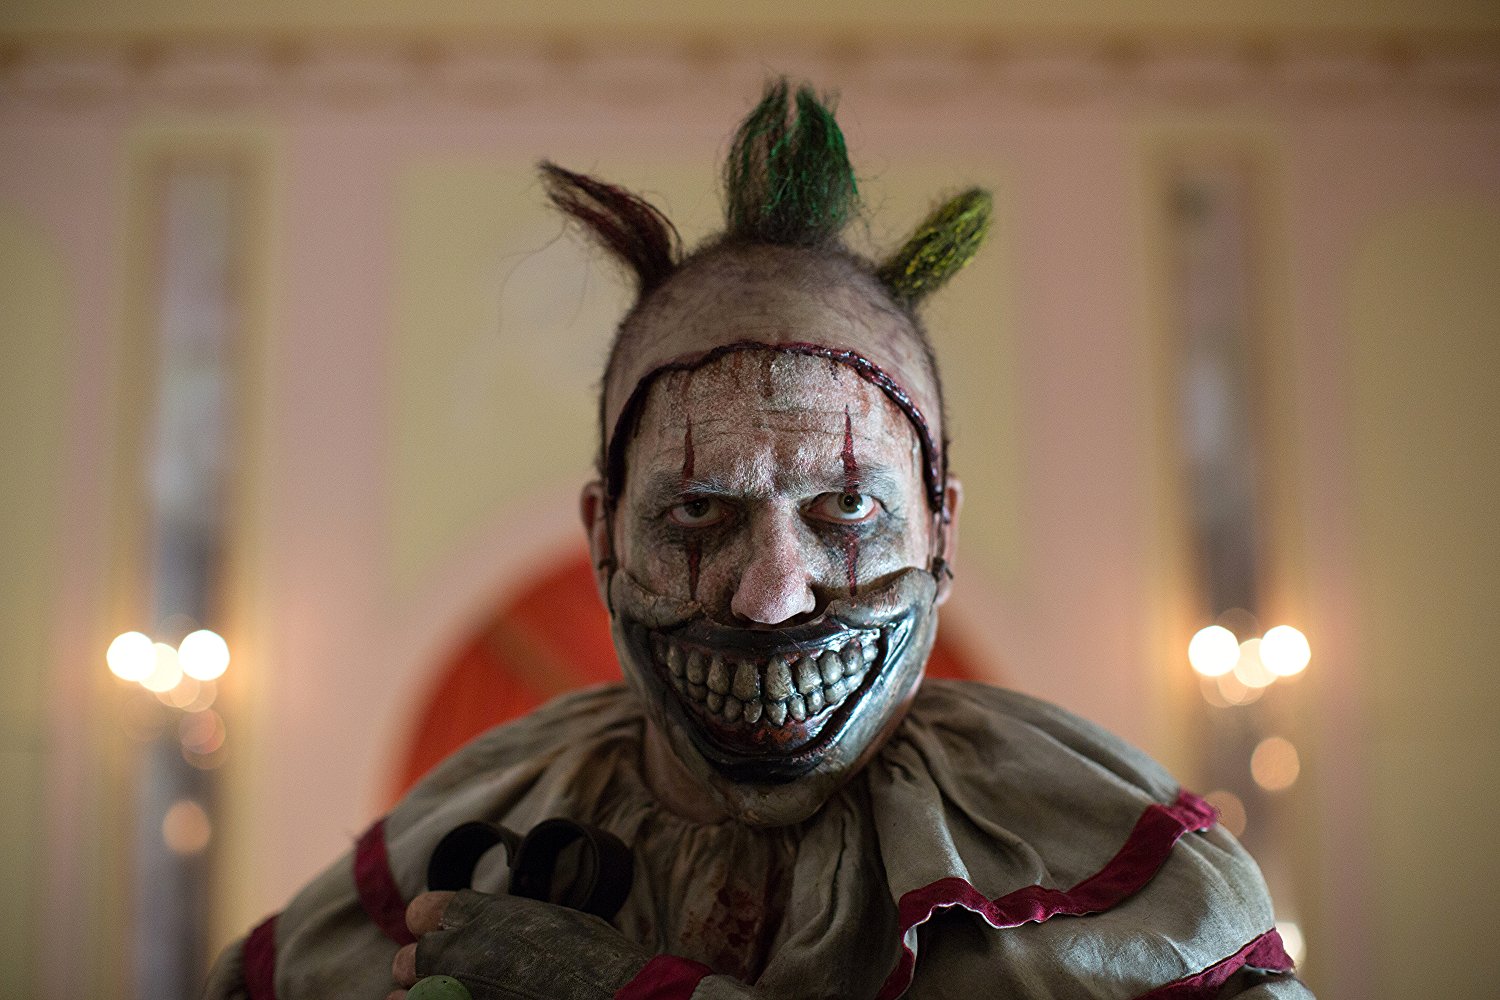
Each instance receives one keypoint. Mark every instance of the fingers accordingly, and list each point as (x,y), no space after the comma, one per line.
(425,914)
(404,967)
(396,995)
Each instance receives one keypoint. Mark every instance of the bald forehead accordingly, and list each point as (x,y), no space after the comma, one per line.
(786,390)
(770,295)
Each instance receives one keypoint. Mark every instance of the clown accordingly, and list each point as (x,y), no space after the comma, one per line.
(772,527)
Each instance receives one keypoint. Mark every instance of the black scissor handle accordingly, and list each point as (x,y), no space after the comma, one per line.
(604,865)
(457,855)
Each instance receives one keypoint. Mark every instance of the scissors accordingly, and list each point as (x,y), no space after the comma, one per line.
(558,861)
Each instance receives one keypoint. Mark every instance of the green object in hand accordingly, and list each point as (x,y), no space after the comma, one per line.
(438,988)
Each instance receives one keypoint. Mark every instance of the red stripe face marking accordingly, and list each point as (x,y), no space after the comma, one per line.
(851,468)
(934,464)
(851,485)
(694,548)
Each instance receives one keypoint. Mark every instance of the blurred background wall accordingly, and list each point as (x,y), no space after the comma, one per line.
(402,349)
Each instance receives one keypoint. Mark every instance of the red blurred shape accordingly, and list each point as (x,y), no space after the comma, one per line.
(550,639)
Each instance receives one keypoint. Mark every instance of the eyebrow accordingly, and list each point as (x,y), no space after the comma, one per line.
(664,489)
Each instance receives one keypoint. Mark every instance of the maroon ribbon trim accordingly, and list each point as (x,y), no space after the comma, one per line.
(665,977)
(258,961)
(1265,952)
(1143,854)
(379,895)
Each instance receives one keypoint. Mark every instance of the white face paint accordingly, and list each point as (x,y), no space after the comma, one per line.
(772,594)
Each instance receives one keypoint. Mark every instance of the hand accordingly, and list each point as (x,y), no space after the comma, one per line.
(423,916)
(508,946)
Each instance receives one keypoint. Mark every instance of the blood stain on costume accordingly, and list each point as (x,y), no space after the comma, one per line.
(851,485)
(736,934)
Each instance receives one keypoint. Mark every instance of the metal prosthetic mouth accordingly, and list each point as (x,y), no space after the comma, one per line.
(770,715)
(746,691)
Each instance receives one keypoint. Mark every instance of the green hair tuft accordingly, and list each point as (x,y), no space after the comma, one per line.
(788,179)
(940,247)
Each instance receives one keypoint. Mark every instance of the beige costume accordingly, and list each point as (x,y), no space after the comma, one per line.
(997,846)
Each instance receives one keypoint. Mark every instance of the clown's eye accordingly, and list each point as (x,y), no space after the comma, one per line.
(844,508)
(699,512)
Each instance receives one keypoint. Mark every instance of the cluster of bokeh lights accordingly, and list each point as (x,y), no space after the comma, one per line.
(158,667)
(1235,672)
(1241,671)
(182,677)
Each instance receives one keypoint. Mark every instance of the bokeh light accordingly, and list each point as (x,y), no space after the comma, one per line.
(202,733)
(207,692)
(166,671)
(204,655)
(1249,669)
(186,828)
(207,761)
(1233,691)
(182,695)
(1285,651)
(1275,764)
(131,656)
(1232,814)
(1213,651)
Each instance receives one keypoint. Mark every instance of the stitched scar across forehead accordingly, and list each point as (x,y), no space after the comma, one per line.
(934,471)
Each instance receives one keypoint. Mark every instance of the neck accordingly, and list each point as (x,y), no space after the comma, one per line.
(673,786)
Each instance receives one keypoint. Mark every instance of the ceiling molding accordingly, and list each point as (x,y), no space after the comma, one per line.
(224,71)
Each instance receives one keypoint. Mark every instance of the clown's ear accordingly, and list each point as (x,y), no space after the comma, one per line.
(625,224)
(944,242)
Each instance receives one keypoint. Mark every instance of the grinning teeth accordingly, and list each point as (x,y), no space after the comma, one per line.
(830,666)
(851,659)
(697,666)
(778,680)
(769,693)
(808,678)
(718,676)
(837,690)
(746,681)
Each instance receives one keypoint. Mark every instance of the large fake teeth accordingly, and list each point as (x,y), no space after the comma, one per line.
(786,687)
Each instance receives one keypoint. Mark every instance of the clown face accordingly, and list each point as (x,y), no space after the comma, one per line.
(772,588)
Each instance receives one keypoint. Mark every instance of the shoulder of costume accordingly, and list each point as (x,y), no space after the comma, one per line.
(335,937)
(1026,814)
(600,713)
(985,714)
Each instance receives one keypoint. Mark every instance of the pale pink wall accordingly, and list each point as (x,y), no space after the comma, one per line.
(1347,172)
(340,655)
